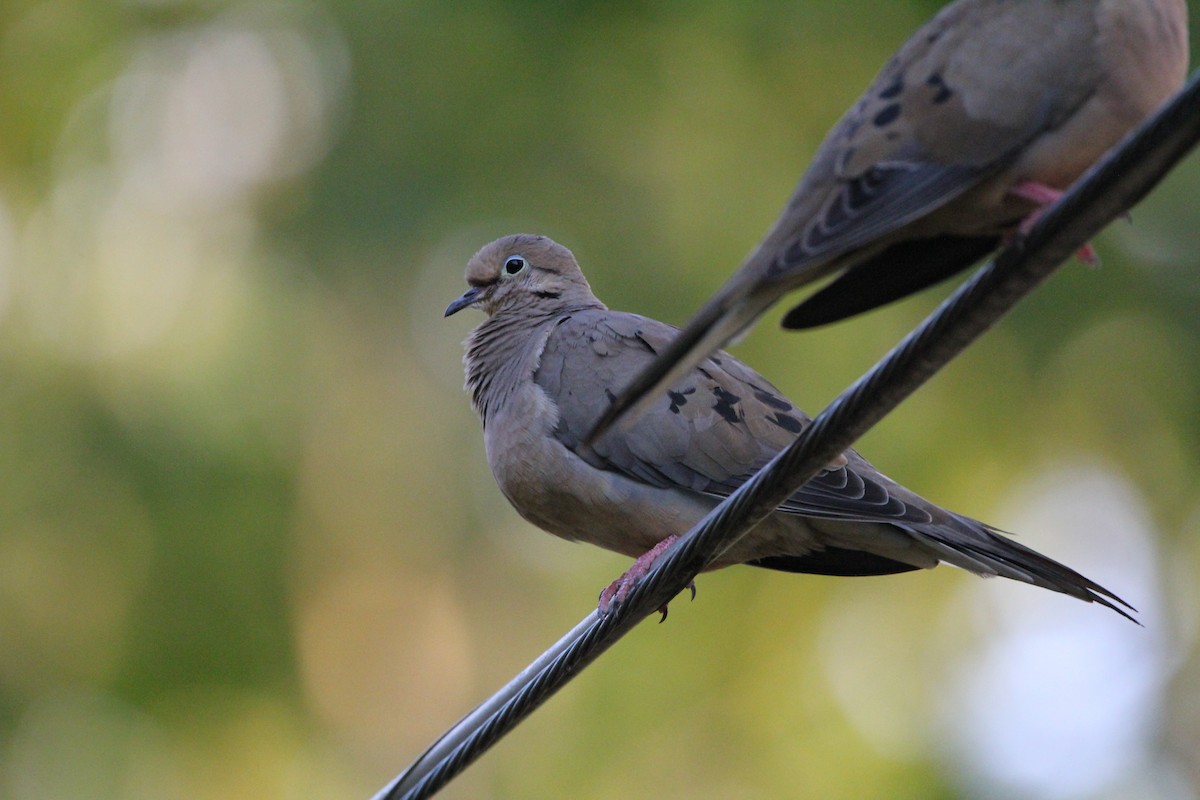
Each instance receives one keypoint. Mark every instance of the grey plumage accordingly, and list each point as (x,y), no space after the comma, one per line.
(548,359)
(984,115)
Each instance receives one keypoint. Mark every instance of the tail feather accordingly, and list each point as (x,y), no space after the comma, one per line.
(903,269)
(993,554)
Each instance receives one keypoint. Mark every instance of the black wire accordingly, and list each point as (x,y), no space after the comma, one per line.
(1122,178)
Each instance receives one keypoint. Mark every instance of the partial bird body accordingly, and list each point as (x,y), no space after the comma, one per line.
(916,182)
(547,361)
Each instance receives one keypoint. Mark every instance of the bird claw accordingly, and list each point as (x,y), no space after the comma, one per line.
(1044,196)
(1088,255)
(616,592)
(663,608)
(1037,193)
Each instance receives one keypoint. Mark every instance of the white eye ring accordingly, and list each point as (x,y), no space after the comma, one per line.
(514,264)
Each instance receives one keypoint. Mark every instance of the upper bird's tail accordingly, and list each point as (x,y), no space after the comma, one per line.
(903,269)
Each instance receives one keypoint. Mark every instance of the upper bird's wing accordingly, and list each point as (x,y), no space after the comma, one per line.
(961,100)
(958,104)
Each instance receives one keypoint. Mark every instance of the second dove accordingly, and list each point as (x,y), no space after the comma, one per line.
(981,119)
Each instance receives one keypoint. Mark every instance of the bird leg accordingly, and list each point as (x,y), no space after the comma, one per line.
(618,590)
(1044,196)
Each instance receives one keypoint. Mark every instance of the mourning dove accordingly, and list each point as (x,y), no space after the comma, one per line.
(981,119)
(548,358)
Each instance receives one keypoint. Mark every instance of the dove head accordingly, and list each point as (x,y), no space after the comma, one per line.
(525,272)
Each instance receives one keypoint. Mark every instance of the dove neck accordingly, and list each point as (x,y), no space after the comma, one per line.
(504,349)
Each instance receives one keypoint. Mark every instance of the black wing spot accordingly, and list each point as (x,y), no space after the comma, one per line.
(726,405)
(787,422)
(942,92)
(893,91)
(774,401)
(887,116)
(612,398)
(679,399)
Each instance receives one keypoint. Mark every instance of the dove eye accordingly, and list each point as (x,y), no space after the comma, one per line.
(514,265)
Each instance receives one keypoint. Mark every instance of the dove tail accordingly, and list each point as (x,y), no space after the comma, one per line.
(989,553)
(899,271)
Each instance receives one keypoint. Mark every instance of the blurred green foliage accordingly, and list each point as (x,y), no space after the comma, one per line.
(248,543)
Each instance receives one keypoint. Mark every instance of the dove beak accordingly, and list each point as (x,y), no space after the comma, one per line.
(468,298)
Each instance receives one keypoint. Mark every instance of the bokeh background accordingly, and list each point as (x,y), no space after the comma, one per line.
(249,545)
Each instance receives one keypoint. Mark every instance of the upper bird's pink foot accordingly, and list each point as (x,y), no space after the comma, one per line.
(1045,196)
(616,592)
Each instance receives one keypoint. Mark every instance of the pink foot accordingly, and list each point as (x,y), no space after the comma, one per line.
(618,590)
(1045,196)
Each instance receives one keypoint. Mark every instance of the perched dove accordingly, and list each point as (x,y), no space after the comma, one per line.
(548,358)
(980,120)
